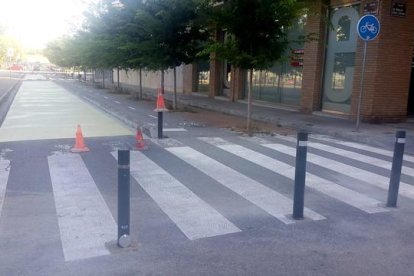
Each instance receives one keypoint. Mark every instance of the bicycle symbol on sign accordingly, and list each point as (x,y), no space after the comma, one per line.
(368,27)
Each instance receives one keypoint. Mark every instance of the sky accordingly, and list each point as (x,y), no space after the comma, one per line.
(36,22)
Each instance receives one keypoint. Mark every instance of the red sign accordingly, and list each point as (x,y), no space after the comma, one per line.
(296,58)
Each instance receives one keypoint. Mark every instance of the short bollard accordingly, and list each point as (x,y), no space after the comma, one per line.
(300,174)
(160,124)
(124,240)
(397,161)
(160,108)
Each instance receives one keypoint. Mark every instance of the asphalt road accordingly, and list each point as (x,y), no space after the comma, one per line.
(205,201)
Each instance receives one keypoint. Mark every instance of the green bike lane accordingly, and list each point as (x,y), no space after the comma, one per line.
(43,110)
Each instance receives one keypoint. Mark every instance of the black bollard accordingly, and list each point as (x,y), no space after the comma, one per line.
(300,174)
(124,239)
(397,161)
(160,115)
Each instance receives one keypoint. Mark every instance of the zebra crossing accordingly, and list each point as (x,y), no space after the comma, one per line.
(191,214)
(81,210)
(348,196)
(368,177)
(86,222)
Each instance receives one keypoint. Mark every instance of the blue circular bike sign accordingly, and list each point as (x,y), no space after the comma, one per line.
(368,27)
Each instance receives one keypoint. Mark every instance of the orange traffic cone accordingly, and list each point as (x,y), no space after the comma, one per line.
(160,104)
(139,140)
(79,144)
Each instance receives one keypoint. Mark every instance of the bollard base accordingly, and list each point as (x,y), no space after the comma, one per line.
(391,205)
(124,241)
(296,220)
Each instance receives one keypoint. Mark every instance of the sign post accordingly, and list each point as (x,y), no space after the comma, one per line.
(368,28)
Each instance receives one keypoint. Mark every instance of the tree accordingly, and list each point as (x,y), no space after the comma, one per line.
(171,34)
(7,42)
(256,34)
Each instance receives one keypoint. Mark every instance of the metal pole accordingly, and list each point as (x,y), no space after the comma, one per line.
(160,115)
(361,87)
(124,239)
(300,174)
(397,161)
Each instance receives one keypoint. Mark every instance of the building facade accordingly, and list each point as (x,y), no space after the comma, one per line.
(325,74)
(333,65)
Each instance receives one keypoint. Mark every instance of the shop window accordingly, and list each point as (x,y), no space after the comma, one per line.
(203,71)
(340,60)
(283,82)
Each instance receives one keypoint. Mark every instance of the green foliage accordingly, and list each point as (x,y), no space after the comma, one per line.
(171,33)
(9,42)
(156,34)
(256,31)
(162,34)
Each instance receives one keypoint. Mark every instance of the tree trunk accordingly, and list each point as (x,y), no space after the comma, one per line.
(175,89)
(162,81)
(140,83)
(117,78)
(249,104)
(103,78)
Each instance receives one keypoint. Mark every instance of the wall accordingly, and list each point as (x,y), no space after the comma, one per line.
(150,80)
(388,68)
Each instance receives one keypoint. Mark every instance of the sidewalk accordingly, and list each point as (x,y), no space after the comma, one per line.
(379,135)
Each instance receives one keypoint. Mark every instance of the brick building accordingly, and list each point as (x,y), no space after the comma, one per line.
(325,75)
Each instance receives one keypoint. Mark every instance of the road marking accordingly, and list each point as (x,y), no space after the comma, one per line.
(194,217)
(117,102)
(4,176)
(152,116)
(360,157)
(384,152)
(265,198)
(174,129)
(85,221)
(354,155)
(130,107)
(350,197)
(368,177)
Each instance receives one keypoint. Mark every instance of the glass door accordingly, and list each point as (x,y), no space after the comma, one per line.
(340,60)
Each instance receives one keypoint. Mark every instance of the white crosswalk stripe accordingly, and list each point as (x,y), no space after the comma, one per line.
(352,155)
(329,188)
(368,177)
(195,218)
(267,199)
(85,222)
(368,148)
(4,176)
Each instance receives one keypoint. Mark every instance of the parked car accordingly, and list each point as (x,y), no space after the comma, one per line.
(16,67)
